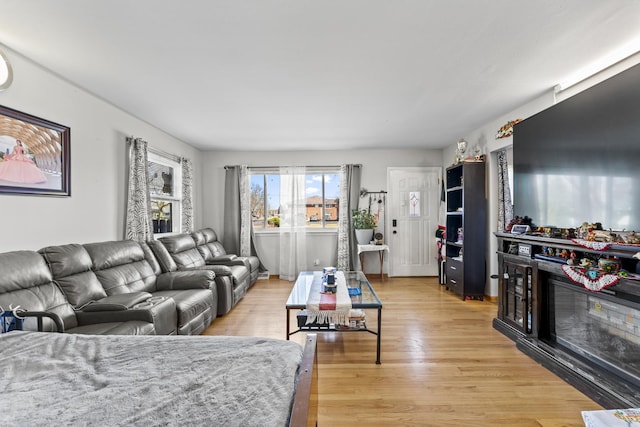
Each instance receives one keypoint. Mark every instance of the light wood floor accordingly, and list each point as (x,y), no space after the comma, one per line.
(443,364)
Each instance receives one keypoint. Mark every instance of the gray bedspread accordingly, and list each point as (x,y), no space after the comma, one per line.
(76,380)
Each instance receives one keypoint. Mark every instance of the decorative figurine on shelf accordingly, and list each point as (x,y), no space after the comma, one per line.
(587,231)
(633,238)
(477,153)
(572,259)
(609,265)
(461,148)
(507,129)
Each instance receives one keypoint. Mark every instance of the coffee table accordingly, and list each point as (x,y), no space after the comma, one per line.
(366,300)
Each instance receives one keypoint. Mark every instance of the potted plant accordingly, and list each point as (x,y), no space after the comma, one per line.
(364,223)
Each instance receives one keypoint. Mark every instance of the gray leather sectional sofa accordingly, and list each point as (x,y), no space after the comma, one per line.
(201,250)
(121,287)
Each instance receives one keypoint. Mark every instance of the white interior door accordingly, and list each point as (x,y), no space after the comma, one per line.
(412,220)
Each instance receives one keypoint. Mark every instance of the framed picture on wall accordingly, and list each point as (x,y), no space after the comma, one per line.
(34,155)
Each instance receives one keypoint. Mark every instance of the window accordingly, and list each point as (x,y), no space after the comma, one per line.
(322,189)
(165,188)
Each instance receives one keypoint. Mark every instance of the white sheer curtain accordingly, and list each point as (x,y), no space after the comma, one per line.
(293,238)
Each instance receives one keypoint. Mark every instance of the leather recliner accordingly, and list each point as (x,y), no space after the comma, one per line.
(213,252)
(27,282)
(179,253)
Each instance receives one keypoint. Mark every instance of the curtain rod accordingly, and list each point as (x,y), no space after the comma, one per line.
(164,154)
(277,167)
(157,150)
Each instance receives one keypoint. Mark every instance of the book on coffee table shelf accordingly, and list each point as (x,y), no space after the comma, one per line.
(356,321)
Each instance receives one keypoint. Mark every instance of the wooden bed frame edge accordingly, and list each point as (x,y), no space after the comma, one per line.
(304,412)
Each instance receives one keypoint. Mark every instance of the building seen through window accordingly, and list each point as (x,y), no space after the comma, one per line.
(322,191)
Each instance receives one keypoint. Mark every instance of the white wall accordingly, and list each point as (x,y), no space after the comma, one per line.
(95,210)
(321,245)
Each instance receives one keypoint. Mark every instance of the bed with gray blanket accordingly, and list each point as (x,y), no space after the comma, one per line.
(108,380)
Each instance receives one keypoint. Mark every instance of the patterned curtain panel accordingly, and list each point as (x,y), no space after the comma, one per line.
(138,225)
(505,205)
(245,211)
(349,198)
(187,195)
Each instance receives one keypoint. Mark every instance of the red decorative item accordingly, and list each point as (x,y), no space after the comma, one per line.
(597,284)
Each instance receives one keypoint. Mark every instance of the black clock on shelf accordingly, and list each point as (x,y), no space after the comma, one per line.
(378,237)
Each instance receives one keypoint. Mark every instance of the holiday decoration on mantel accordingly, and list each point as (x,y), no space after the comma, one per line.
(592,280)
(507,130)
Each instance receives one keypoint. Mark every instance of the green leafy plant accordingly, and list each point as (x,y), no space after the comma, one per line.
(274,221)
(363,219)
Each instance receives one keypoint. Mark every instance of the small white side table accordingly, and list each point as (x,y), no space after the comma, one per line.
(373,248)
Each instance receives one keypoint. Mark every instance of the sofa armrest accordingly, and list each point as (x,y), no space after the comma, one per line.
(117,302)
(222,259)
(229,259)
(220,270)
(160,311)
(57,320)
(191,279)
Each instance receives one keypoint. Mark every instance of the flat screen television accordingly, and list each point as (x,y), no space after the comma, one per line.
(579,160)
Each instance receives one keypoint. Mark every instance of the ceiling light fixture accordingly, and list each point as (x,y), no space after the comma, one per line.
(6,73)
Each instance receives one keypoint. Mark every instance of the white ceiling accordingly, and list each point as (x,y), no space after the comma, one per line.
(323,74)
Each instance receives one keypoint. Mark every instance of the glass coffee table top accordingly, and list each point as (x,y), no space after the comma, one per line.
(367,297)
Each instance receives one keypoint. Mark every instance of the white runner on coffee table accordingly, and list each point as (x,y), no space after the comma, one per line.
(324,308)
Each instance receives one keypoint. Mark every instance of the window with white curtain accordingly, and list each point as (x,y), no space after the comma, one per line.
(165,188)
(322,190)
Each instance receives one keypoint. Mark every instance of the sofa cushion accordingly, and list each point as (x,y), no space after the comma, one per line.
(151,258)
(122,267)
(71,266)
(163,257)
(207,238)
(182,249)
(106,255)
(22,270)
(26,281)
